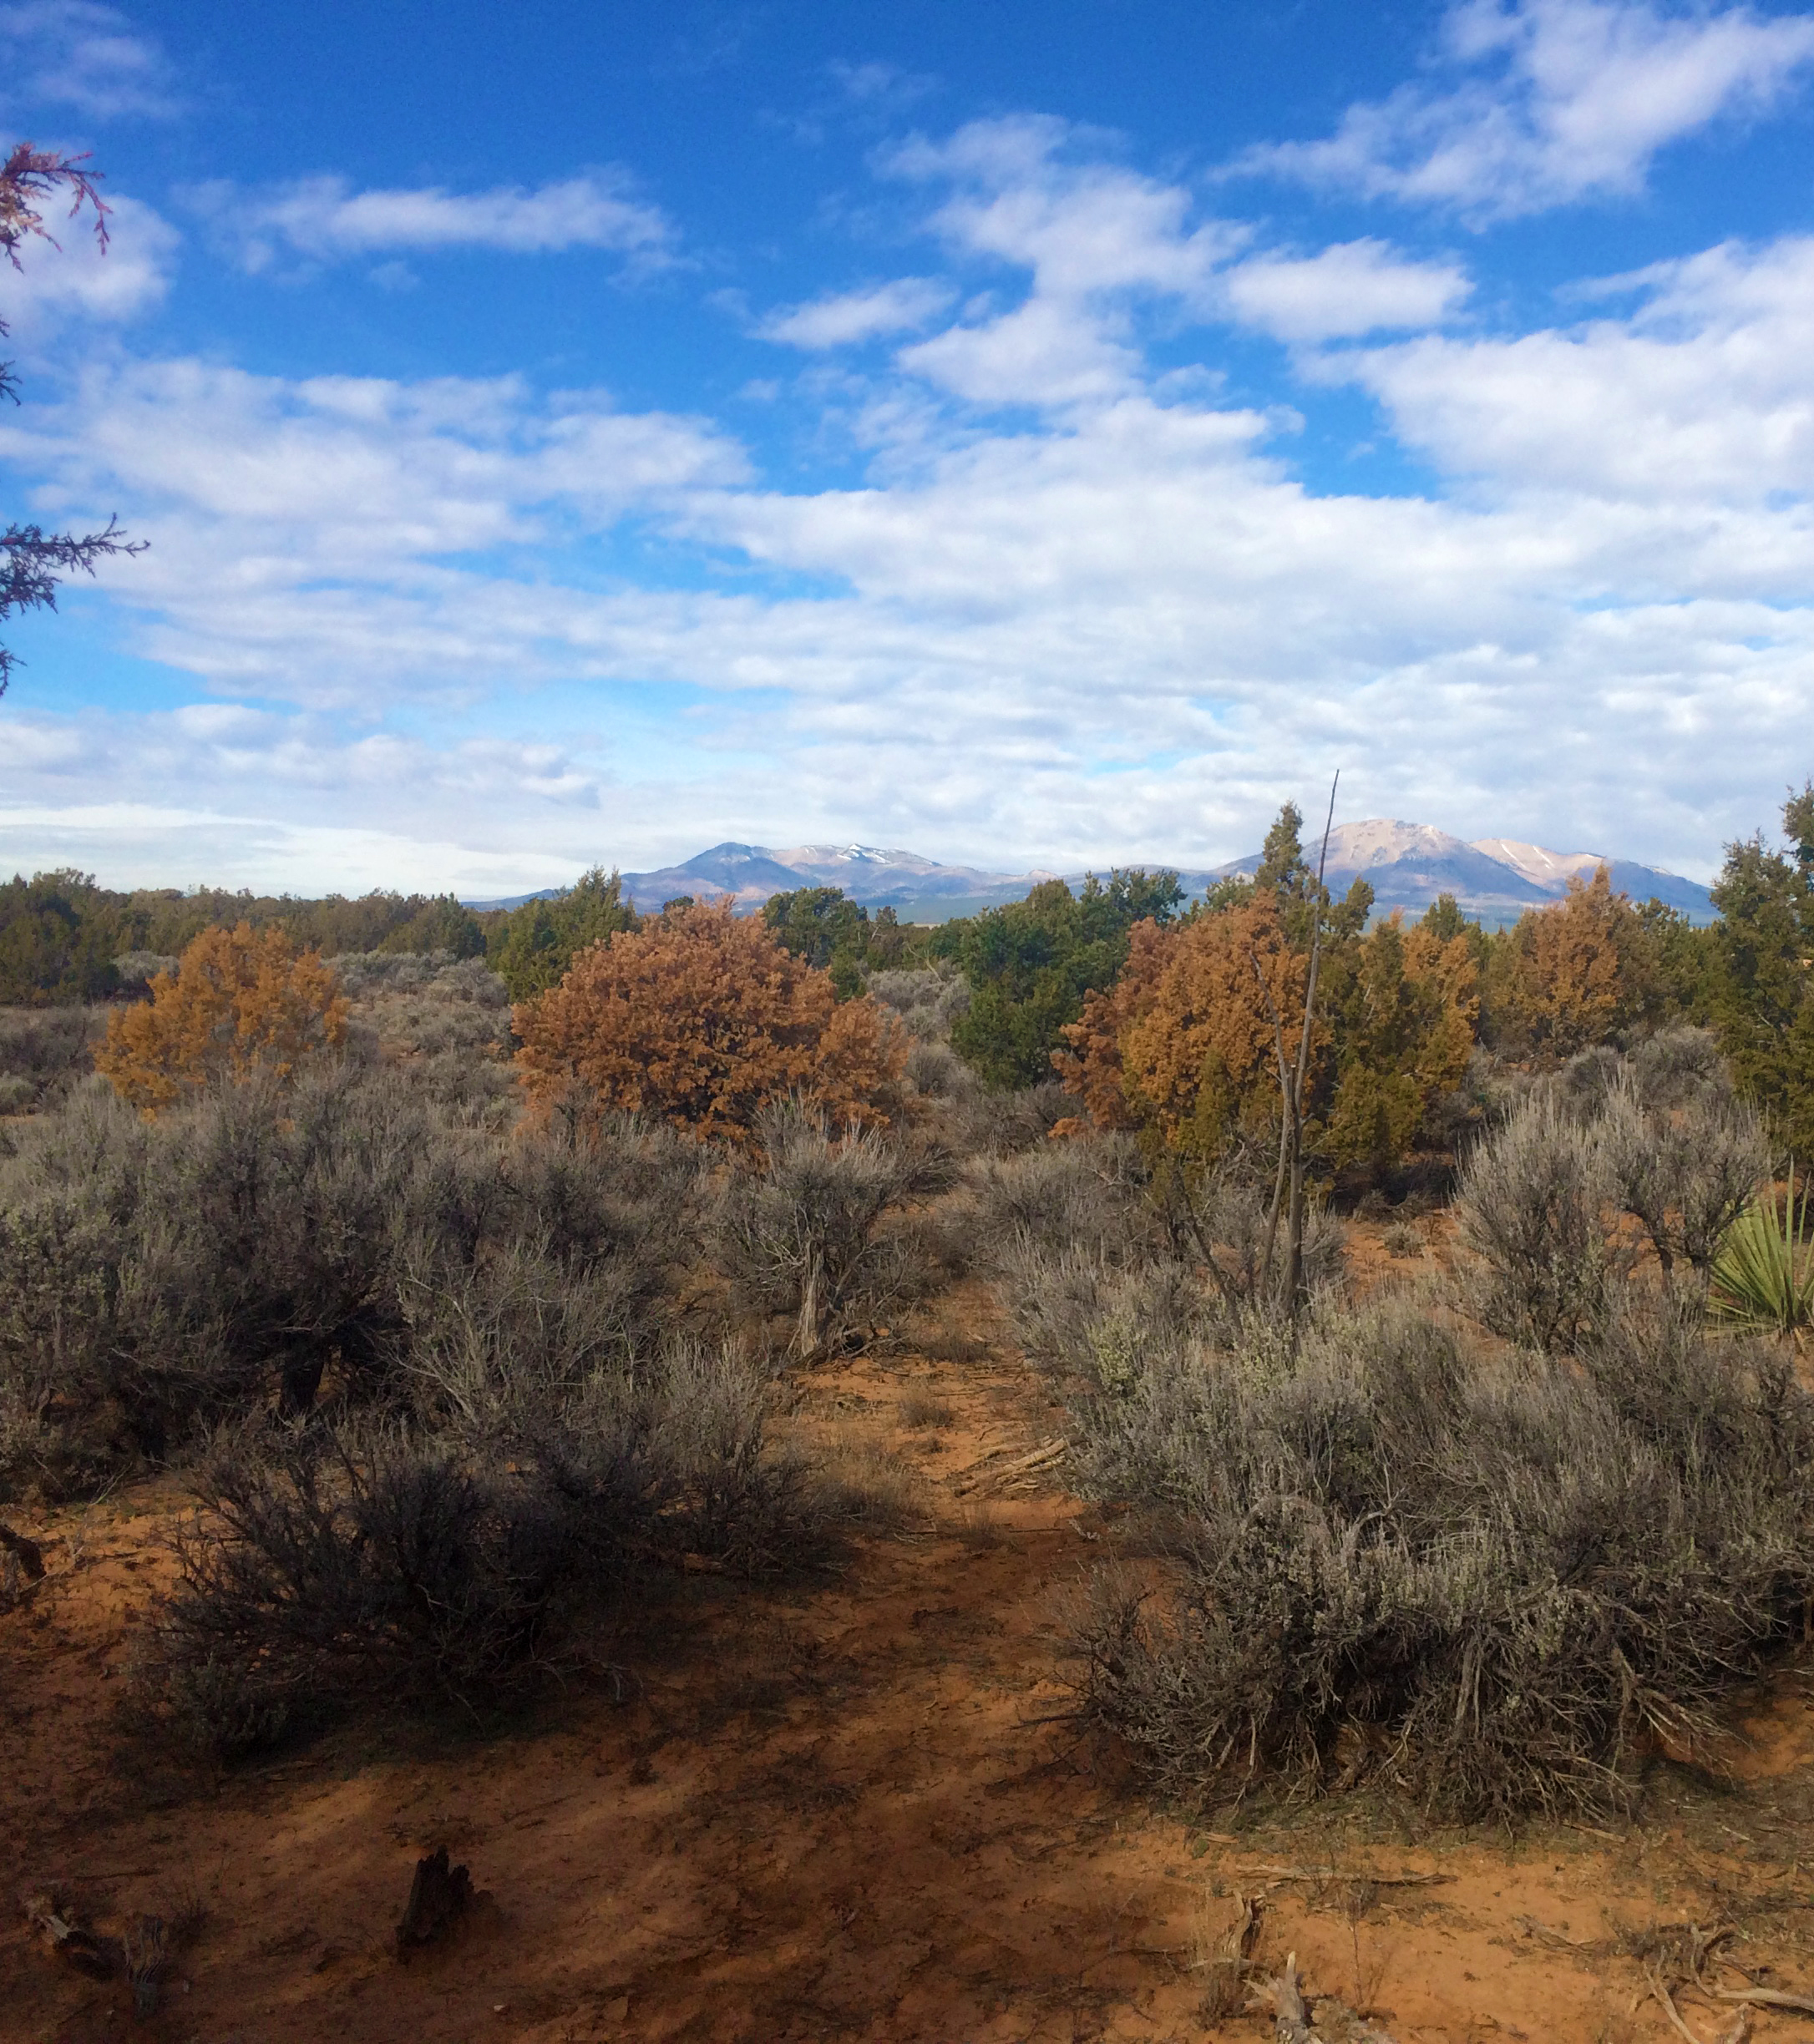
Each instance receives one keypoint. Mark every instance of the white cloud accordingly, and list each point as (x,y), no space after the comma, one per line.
(75,276)
(1127,636)
(308,538)
(324,220)
(1548,102)
(1098,240)
(1020,193)
(900,307)
(1354,287)
(80,54)
(1704,393)
(1046,351)
(1123,628)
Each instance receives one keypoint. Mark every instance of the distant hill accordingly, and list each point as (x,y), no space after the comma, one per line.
(1407,865)
(1492,879)
(918,889)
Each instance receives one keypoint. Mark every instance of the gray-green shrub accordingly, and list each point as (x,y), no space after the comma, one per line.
(1495,1582)
(819,1227)
(157,1277)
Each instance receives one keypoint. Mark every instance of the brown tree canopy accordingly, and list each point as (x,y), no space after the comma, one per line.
(703,1018)
(1185,1043)
(240,1001)
(1574,974)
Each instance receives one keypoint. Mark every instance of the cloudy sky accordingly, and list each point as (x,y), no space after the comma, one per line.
(1026,434)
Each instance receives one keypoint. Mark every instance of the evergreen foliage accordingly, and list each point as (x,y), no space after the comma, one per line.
(1761,980)
(533,946)
(1032,964)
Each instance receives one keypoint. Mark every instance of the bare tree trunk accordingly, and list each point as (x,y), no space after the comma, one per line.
(1295,1252)
(808,1337)
(1262,1283)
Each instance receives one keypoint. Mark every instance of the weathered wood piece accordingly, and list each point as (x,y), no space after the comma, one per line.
(439,1896)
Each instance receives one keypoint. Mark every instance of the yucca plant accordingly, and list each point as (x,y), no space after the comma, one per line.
(1763,1277)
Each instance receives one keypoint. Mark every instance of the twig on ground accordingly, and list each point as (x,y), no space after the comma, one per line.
(990,1467)
(1338,1874)
(1765,1997)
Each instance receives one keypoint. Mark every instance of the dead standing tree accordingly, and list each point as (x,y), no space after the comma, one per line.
(32,561)
(1288,1183)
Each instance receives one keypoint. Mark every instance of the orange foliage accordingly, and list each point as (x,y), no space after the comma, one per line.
(239,1001)
(1574,974)
(1184,1043)
(702,1018)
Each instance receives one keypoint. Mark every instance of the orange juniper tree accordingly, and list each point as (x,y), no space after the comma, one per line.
(1573,974)
(702,1018)
(240,1001)
(1184,1046)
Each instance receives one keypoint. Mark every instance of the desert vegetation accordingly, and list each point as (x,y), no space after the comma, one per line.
(1416,1314)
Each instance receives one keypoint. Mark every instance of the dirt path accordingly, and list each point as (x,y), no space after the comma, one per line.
(843,1812)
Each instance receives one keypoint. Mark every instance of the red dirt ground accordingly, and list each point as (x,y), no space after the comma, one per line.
(846,1809)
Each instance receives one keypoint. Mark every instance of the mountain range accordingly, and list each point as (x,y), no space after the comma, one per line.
(1407,865)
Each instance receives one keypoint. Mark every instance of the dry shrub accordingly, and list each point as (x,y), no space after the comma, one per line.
(1686,1153)
(1088,1244)
(935,1071)
(435,1559)
(1493,1584)
(240,1001)
(816,1228)
(43,1051)
(929,998)
(1544,1199)
(443,1022)
(1532,1205)
(158,1277)
(1087,1192)
(925,1411)
(983,1122)
(702,1020)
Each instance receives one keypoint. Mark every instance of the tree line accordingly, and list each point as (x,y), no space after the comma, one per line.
(1157,1016)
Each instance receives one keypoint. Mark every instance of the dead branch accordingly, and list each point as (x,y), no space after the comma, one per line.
(987,1468)
(1764,1997)
(1291,2019)
(1337,1874)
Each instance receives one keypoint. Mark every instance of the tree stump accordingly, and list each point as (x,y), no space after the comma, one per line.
(437,1897)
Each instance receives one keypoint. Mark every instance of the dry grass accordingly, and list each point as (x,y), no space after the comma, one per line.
(925,1411)
(978,1528)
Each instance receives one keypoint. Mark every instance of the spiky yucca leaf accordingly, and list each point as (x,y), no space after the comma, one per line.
(1763,1278)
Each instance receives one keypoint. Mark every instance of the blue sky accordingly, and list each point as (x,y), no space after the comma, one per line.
(1026,435)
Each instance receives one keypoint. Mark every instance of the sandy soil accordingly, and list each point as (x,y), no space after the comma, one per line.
(850,1808)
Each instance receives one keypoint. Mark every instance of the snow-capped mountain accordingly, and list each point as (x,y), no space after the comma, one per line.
(1407,865)
(1494,879)
(918,888)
